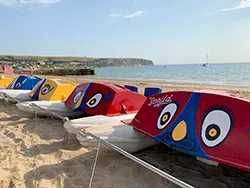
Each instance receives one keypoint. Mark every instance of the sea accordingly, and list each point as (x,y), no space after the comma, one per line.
(232,74)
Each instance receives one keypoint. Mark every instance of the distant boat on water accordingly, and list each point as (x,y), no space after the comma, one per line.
(206,64)
(166,64)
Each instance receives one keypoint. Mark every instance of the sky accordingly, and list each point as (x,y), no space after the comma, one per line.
(172,31)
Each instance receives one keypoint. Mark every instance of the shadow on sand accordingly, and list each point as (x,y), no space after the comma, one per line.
(76,172)
(190,170)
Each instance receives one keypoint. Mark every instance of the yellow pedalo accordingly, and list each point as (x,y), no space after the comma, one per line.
(56,89)
(51,97)
(5,80)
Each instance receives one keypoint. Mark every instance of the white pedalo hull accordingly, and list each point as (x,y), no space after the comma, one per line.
(45,107)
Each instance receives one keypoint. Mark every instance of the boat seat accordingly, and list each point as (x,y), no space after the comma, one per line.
(151,91)
(132,88)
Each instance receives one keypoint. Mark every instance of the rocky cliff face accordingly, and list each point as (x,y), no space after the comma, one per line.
(109,62)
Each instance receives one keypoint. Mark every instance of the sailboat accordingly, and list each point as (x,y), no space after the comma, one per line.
(166,64)
(206,64)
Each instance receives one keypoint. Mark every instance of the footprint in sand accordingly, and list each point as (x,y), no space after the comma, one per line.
(58,156)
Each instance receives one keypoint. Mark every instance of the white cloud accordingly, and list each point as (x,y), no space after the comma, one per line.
(7,2)
(136,14)
(32,2)
(241,5)
(129,16)
(114,15)
(27,2)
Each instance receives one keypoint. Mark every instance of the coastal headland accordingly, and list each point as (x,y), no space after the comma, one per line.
(63,65)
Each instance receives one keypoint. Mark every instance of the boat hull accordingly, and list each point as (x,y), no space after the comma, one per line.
(45,107)
(76,125)
(119,134)
(17,95)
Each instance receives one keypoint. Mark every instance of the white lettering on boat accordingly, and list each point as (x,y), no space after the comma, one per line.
(156,102)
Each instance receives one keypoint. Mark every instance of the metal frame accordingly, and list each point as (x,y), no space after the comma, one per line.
(141,162)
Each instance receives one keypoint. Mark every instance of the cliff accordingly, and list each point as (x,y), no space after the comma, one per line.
(111,62)
(57,71)
(63,62)
(67,65)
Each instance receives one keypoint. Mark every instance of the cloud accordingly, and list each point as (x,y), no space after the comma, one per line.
(241,5)
(129,16)
(136,14)
(114,15)
(7,2)
(27,2)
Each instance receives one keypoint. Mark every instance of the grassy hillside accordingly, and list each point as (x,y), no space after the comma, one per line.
(49,61)
(43,58)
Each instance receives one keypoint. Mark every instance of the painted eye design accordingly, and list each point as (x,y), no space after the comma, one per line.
(94,101)
(215,128)
(46,89)
(25,80)
(77,97)
(166,115)
(18,85)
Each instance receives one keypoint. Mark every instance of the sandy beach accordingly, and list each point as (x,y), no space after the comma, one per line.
(34,153)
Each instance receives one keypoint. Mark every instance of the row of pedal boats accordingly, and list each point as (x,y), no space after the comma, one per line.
(211,125)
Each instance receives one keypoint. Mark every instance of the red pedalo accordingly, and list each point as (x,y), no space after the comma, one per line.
(213,125)
(104,99)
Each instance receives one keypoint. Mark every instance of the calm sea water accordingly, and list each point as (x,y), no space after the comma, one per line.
(222,74)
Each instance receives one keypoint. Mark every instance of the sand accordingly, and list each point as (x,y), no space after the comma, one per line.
(35,153)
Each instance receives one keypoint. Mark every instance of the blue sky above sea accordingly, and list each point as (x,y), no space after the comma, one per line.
(173,31)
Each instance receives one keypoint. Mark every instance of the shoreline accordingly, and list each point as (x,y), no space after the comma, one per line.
(178,82)
(240,91)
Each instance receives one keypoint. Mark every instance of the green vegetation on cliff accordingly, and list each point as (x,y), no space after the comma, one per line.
(49,61)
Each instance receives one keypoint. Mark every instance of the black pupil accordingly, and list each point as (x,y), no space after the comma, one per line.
(46,89)
(163,120)
(212,126)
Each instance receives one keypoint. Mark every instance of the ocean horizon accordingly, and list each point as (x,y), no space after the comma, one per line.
(231,74)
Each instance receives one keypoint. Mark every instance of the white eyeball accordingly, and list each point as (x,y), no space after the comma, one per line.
(166,115)
(77,97)
(94,101)
(215,127)
(46,89)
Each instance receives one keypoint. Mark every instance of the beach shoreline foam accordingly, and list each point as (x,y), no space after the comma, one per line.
(34,153)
